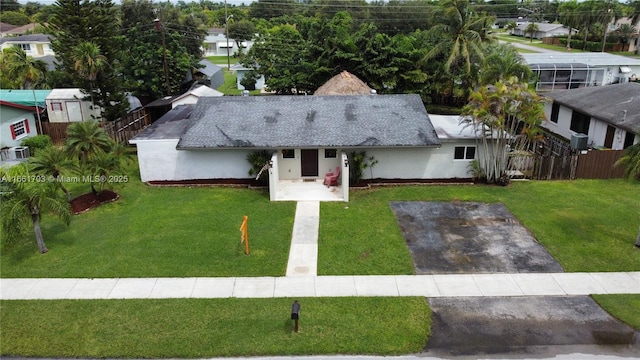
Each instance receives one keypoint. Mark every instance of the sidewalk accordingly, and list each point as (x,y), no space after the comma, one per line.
(303,254)
(457,285)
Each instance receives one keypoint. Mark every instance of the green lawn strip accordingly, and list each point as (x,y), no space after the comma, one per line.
(230,86)
(202,328)
(222,59)
(160,232)
(587,225)
(624,307)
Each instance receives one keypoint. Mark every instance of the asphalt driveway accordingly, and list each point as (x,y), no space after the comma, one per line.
(471,237)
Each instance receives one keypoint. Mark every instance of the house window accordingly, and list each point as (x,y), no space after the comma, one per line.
(288,153)
(580,122)
(628,139)
(330,153)
(555,109)
(19,129)
(464,153)
(25,47)
(56,106)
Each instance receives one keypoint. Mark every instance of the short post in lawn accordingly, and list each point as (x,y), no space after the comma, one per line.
(295,314)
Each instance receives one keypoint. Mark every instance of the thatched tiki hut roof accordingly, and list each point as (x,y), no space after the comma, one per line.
(344,83)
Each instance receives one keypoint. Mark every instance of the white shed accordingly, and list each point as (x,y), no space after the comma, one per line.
(70,105)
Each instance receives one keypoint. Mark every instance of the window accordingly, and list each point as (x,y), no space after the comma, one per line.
(580,122)
(288,153)
(19,129)
(330,153)
(25,47)
(464,153)
(628,139)
(555,109)
(56,106)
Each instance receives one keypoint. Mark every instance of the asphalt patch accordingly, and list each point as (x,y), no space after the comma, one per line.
(469,237)
(490,325)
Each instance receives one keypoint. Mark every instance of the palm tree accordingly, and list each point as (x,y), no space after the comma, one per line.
(511,25)
(53,162)
(461,42)
(626,33)
(88,62)
(26,70)
(502,62)
(27,202)
(569,17)
(86,141)
(531,29)
(630,160)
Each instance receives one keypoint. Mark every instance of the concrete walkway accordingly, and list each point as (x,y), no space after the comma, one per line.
(458,285)
(303,254)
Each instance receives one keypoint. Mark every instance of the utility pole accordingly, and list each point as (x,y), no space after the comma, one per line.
(606,25)
(160,29)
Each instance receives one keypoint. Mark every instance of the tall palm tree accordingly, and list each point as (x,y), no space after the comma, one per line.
(569,17)
(502,62)
(53,162)
(88,62)
(531,29)
(27,202)
(626,33)
(26,70)
(461,42)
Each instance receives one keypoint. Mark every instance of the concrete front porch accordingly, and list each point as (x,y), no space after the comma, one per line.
(307,190)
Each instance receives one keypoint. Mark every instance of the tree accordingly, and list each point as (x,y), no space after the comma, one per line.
(569,17)
(90,21)
(630,160)
(531,29)
(268,9)
(503,62)
(625,34)
(241,31)
(507,116)
(53,162)
(25,71)
(511,25)
(14,18)
(87,141)
(28,200)
(88,62)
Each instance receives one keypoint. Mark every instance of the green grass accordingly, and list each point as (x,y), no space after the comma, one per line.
(624,307)
(230,86)
(203,328)
(222,59)
(587,225)
(169,231)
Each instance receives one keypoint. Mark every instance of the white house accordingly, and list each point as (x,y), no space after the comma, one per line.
(307,136)
(544,30)
(70,105)
(35,45)
(557,71)
(608,115)
(240,71)
(19,112)
(216,44)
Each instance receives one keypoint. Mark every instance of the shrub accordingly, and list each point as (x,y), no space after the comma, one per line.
(37,143)
(258,160)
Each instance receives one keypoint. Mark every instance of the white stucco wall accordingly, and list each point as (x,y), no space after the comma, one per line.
(9,116)
(597,128)
(159,160)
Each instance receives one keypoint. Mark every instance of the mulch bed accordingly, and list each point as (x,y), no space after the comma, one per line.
(88,201)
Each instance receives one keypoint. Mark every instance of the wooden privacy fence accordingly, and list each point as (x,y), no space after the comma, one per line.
(121,130)
(598,164)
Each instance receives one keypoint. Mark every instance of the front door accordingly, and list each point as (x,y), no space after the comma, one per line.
(309,162)
(608,139)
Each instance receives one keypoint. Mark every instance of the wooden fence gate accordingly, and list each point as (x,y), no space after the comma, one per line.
(598,164)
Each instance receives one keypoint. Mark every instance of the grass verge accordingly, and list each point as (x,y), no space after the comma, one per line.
(203,328)
(230,87)
(624,307)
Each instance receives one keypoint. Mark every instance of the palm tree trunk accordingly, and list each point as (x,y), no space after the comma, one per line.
(36,228)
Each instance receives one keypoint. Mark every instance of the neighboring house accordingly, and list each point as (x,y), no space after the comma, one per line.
(12,30)
(215,44)
(36,45)
(17,122)
(544,30)
(70,105)
(615,24)
(608,115)
(192,96)
(557,71)
(209,74)
(5,28)
(241,70)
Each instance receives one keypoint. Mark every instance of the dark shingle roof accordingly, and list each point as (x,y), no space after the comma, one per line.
(170,126)
(617,104)
(27,38)
(309,121)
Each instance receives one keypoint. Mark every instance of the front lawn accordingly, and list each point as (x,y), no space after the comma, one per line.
(205,328)
(587,225)
(624,307)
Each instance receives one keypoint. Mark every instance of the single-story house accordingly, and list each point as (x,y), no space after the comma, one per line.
(559,71)
(544,30)
(192,96)
(71,105)
(35,45)
(240,71)
(19,112)
(608,115)
(308,136)
(7,30)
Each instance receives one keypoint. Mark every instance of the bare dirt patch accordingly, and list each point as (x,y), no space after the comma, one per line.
(469,237)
